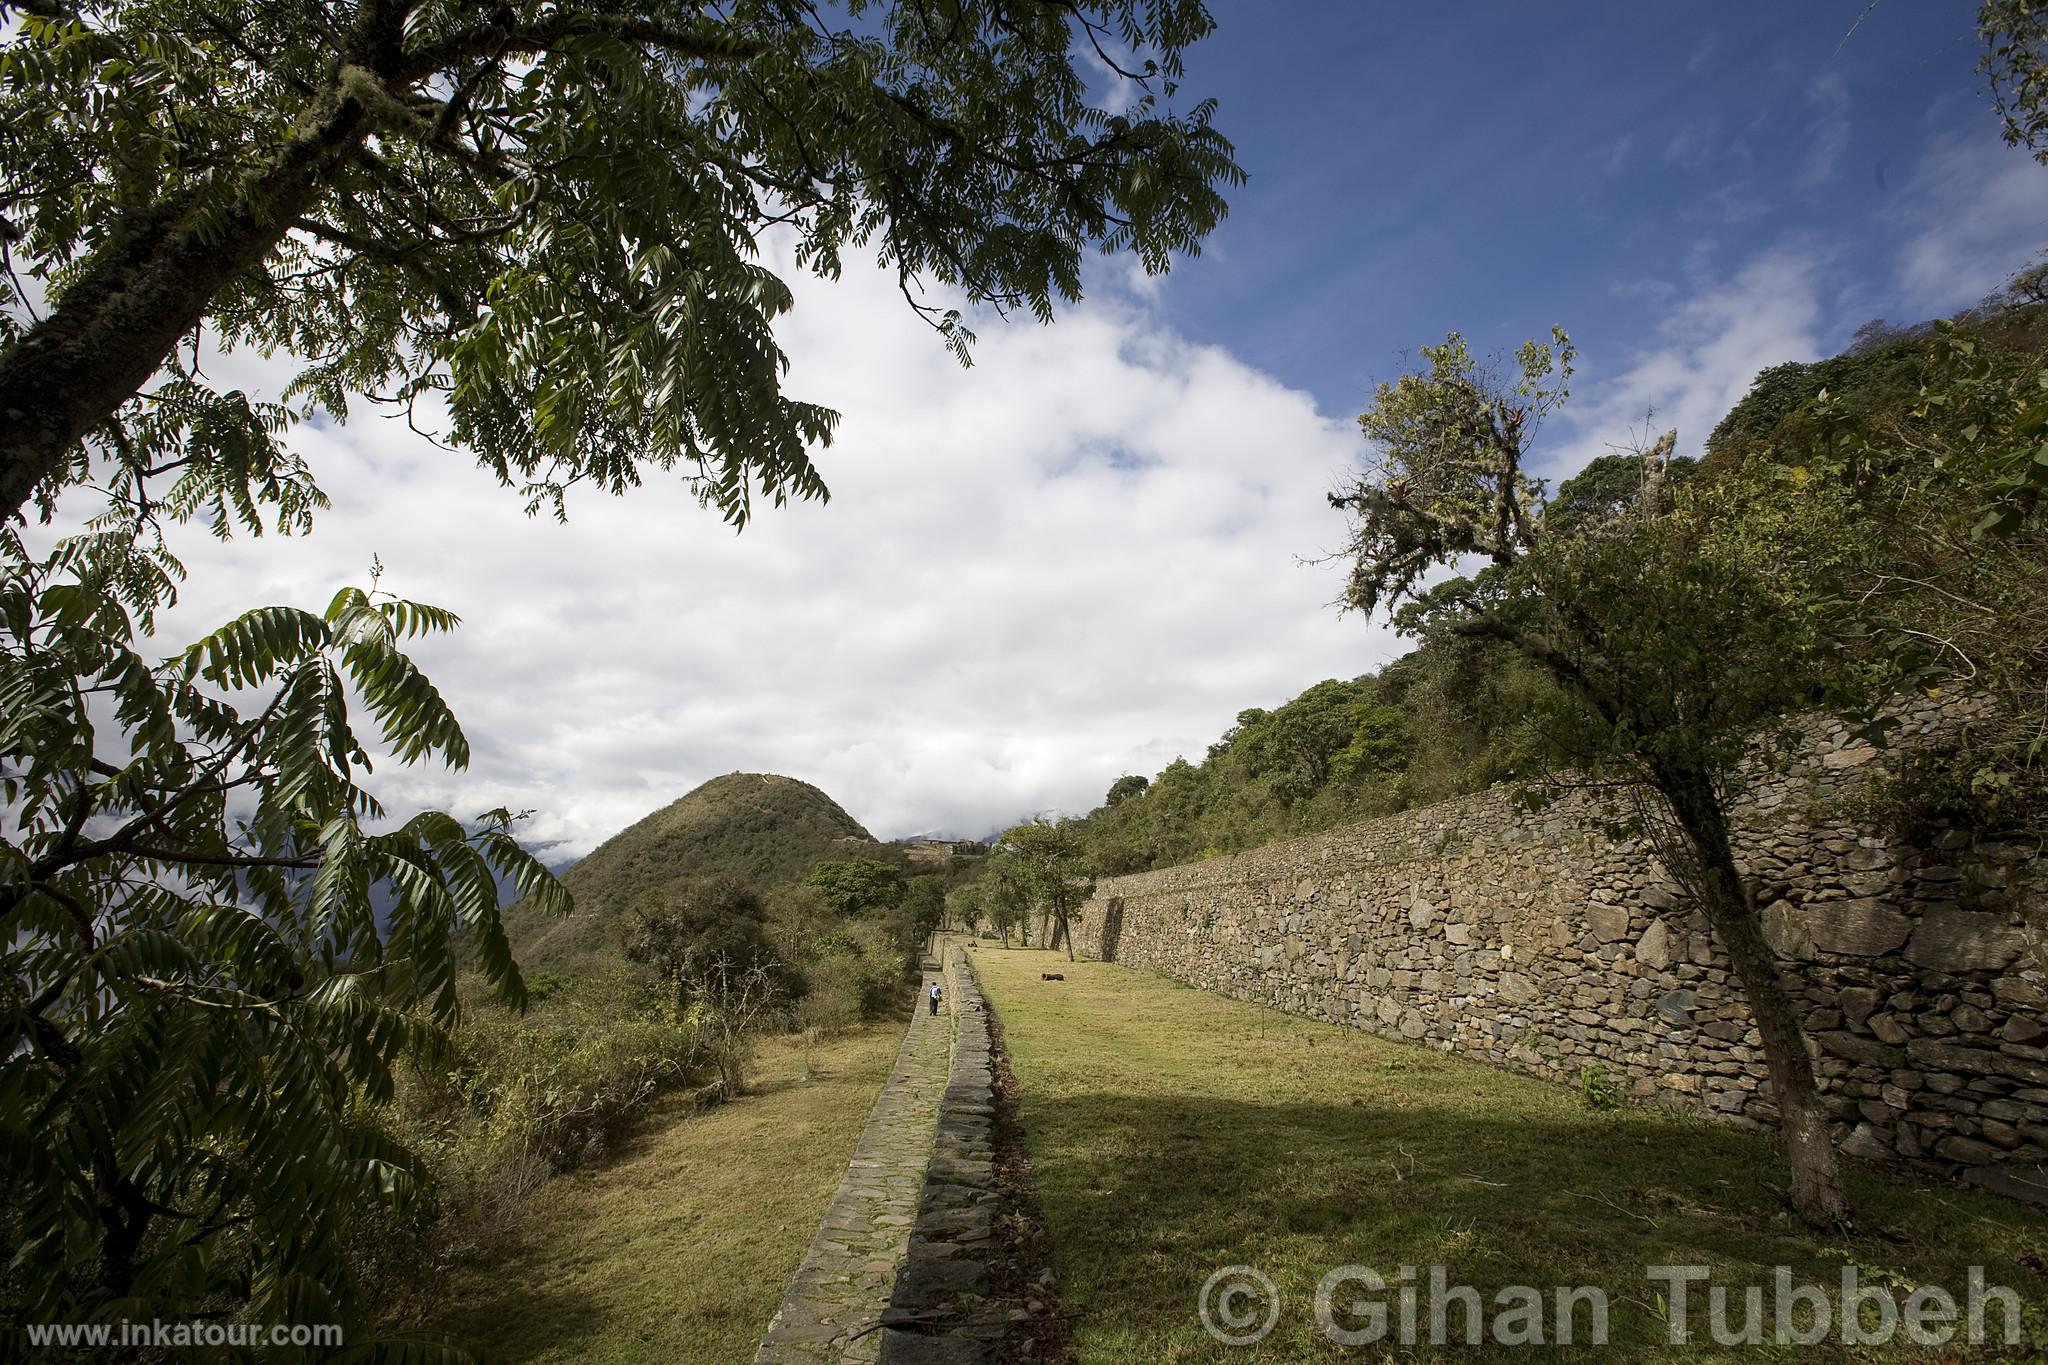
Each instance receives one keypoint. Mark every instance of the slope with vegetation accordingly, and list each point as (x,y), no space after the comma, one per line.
(1937,430)
(765,830)
(752,914)
(602,1268)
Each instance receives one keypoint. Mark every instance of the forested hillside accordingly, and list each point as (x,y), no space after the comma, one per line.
(765,830)
(1936,431)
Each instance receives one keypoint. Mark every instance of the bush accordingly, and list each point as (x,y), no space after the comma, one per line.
(861,960)
(529,1096)
(1597,1089)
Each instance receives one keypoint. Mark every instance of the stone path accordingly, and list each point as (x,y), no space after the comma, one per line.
(832,1311)
(941,1312)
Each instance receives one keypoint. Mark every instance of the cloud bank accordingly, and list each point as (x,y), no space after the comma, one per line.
(1076,559)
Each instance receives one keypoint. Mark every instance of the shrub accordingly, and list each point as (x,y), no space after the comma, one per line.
(528,1096)
(1597,1089)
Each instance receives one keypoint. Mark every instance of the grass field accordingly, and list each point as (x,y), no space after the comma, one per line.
(678,1249)
(1176,1132)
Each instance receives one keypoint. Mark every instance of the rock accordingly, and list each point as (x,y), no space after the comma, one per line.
(2020,1029)
(1413,1025)
(1969,1151)
(1970,1019)
(1860,928)
(1785,930)
(1675,1007)
(1868,1143)
(2029,1183)
(2011,990)
(1857,1049)
(1459,934)
(1653,949)
(1663,896)
(1930,1055)
(1608,922)
(1857,1004)
(1964,941)
(1888,1029)
(1517,988)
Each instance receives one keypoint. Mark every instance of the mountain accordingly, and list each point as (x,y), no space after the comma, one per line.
(767,829)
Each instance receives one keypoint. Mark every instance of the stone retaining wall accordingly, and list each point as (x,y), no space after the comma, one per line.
(831,1313)
(939,1313)
(1538,943)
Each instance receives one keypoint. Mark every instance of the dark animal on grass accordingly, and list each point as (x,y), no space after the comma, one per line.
(1051,976)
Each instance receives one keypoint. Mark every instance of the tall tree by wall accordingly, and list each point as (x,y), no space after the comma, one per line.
(1054,870)
(1677,630)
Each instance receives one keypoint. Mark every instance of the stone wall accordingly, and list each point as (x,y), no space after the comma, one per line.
(1538,943)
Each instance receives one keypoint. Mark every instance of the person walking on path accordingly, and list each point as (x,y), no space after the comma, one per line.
(934,997)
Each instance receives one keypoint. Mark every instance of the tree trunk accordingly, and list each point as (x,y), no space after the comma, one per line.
(112,330)
(1816,1193)
(1067,934)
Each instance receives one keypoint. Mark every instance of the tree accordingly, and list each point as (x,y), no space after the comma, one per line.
(1672,641)
(1291,749)
(1124,788)
(924,903)
(965,905)
(728,1009)
(1052,869)
(210,959)
(544,216)
(2015,66)
(858,886)
(1005,895)
(1379,742)
(698,933)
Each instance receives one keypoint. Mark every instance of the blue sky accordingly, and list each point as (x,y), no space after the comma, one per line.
(1500,168)
(1084,555)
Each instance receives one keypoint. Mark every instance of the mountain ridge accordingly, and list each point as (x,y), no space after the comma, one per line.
(762,827)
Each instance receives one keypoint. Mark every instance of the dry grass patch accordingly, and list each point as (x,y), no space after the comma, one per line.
(678,1249)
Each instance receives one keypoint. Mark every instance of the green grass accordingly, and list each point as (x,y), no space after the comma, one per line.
(678,1250)
(1176,1132)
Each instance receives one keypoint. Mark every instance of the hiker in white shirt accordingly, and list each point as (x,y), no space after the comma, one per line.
(934,997)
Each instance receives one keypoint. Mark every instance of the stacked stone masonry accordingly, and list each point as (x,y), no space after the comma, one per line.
(1538,943)
(831,1314)
(897,1272)
(941,1313)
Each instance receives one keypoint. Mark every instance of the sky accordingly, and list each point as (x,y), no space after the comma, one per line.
(1084,555)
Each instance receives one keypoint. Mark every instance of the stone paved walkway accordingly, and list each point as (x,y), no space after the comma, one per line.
(832,1310)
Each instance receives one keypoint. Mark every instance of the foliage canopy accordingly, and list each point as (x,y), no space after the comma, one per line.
(546,218)
(201,983)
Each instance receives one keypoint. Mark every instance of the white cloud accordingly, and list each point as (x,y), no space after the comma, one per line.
(1828,142)
(1704,356)
(1974,210)
(1075,559)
